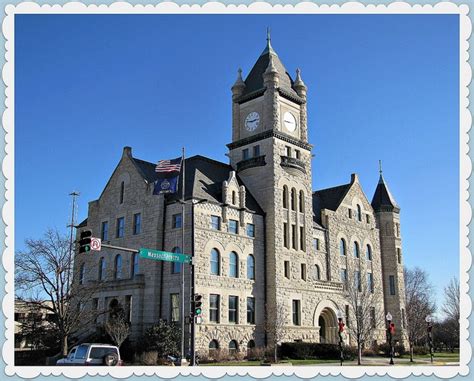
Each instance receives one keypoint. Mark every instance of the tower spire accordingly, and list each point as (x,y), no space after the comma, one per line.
(268,48)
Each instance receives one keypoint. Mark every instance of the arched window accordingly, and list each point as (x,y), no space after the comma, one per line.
(359,213)
(213,346)
(102,268)
(368,253)
(233,347)
(301,200)
(215,262)
(118,267)
(251,267)
(285,197)
(176,266)
(342,247)
(356,250)
(81,273)
(293,199)
(251,344)
(317,272)
(134,268)
(233,265)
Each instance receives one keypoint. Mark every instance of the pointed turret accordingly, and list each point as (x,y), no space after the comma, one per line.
(239,85)
(383,199)
(299,85)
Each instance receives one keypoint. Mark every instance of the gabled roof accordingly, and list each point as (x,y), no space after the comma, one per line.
(329,198)
(254,80)
(383,199)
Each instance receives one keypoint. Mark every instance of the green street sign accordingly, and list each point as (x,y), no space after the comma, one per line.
(158,255)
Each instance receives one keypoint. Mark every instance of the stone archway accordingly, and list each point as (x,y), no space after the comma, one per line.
(325,321)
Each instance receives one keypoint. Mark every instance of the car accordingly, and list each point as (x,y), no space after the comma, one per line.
(92,354)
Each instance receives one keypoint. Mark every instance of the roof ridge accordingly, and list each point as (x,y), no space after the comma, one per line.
(331,188)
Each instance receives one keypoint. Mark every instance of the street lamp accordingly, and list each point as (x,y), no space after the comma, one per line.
(390,328)
(340,316)
(429,328)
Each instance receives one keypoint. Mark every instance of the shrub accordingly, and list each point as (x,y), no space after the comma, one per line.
(420,350)
(301,350)
(163,338)
(398,349)
(256,354)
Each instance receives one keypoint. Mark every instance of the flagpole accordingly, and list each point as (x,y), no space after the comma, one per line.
(183,166)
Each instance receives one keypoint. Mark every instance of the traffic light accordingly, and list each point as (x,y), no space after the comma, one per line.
(197,305)
(85,241)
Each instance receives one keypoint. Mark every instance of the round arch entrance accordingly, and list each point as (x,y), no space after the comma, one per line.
(326,321)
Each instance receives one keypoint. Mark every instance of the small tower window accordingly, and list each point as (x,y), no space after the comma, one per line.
(233,198)
(122,190)
(356,250)
(285,197)
(368,253)
(349,211)
(293,199)
(301,201)
(245,154)
(342,247)
(288,151)
(256,151)
(399,256)
(359,213)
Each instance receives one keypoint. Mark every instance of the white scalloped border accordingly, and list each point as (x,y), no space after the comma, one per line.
(219,8)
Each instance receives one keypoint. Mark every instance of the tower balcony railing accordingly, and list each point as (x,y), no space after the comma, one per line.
(257,161)
(292,162)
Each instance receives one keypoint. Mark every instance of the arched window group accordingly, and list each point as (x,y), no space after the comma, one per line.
(118,267)
(102,268)
(342,247)
(356,250)
(291,199)
(215,262)
(368,253)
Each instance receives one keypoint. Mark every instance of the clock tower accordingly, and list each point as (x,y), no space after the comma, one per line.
(271,155)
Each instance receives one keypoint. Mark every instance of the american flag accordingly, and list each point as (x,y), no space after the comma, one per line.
(164,166)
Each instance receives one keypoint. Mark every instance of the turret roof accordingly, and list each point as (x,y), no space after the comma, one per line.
(383,199)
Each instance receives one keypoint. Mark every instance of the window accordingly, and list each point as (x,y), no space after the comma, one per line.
(391,279)
(303,271)
(359,213)
(342,247)
(104,233)
(134,269)
(234,198)
(302,238)
(316,243)
(233,265)
(357,281)
(122,191)
(343,275)
(256,151)
(251,310)
(301,202)
(251,344)
(368,253)
(287,269)
(367,217)
(317,272)
(347,315)
(102,268)
(349,212)
(137,223)
(176,266)
(245,154)
(81,273)
(251,267)
(250,230)
(285,235)
(174,307)
(397,227)
(118,267)
(176,221)
(356,250)
(288,151)
(372,317)
(215,262)
(293,236)
(233,347)
(370,282)
(120,227)
(213,346)
(293,199)
(214,306)
(296,305)
(232,227)
(215,223)
(233,309)
(399,256)
(285,197)
(297,154)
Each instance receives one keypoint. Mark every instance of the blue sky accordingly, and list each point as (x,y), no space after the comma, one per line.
(379,87)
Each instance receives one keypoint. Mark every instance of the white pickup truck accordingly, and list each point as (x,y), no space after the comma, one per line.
(92,354)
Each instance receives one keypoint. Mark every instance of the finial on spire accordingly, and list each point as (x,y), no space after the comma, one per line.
(269,38)
(380,167)
(239,84)
(268,48)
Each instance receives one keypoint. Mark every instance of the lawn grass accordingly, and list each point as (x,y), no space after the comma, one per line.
(437,355)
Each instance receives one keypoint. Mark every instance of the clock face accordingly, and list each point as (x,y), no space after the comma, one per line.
(252,121)
(289,121)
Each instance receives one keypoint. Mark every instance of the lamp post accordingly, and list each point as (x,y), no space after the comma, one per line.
(390,328)
(340,316)
(429,328)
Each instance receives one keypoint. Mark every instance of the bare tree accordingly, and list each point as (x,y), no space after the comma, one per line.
(44,272)
(274,326)
(118,328)
(364,309)
(451,308)
(419,304)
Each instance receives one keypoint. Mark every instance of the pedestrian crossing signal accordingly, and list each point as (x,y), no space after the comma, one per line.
(85,241)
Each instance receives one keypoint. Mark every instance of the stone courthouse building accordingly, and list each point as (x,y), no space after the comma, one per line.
(262,239)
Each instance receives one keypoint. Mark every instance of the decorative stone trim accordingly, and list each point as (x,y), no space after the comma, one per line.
(291,97)
(138,281)
(249,97)
(269,134)
(258,161)
(292,162)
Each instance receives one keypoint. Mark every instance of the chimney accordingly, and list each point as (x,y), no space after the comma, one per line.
(127,151)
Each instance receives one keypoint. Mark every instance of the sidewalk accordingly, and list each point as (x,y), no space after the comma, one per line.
(384,361)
